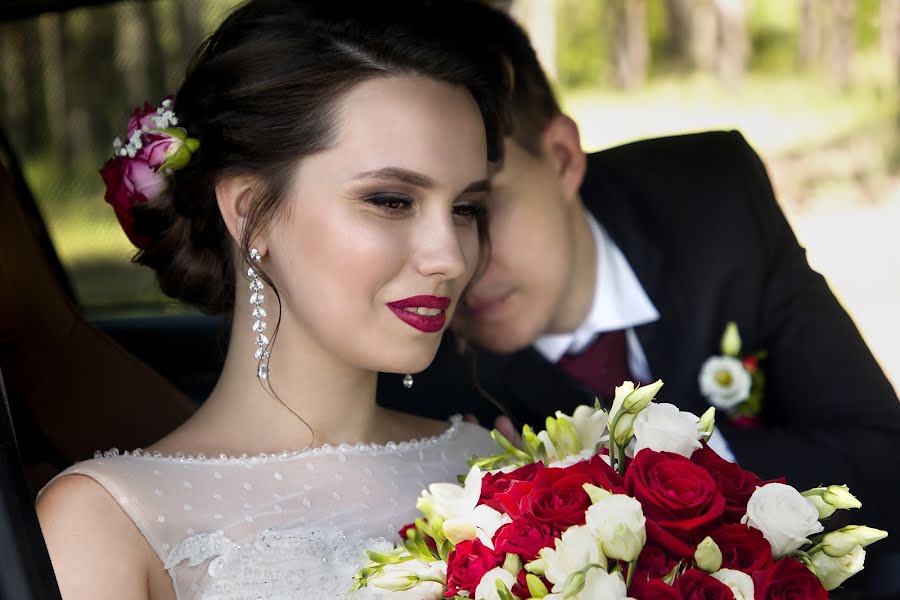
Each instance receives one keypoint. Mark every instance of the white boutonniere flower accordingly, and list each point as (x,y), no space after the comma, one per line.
(734,383)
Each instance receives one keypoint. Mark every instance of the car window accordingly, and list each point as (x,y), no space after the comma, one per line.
(68,84)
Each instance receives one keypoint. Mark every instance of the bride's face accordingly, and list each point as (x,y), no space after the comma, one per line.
(379,237)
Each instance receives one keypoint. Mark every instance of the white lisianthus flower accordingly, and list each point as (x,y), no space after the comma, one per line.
(598,584)
(832,572)
(664,428)
(784,517)
(590,425)
(725,382)
(575,459)
(457,505)
(403,580)
(487,587)
(618,523)
(740,583)
(573,551)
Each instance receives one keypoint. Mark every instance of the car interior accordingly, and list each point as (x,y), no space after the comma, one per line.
(71,383)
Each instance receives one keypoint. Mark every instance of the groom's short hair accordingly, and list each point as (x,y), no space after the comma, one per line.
(532,103)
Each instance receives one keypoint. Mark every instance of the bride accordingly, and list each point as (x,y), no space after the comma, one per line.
(326,190)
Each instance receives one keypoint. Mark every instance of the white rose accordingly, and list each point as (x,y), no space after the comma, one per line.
(784,517)
(832,572)
(487,587)
(618,522)
(573,551)
(740,583)
(402,580)
(664,428)
(725,382)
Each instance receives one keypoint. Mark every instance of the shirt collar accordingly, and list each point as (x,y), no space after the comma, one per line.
(620,301)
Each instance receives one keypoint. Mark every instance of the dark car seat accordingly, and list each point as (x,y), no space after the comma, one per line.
(72,389)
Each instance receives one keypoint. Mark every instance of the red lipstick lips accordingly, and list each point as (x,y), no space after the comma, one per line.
(425,313)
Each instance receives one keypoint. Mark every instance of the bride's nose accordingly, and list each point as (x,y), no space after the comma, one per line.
(437,248)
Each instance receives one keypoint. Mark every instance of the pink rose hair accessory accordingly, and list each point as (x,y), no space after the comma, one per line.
(138,172)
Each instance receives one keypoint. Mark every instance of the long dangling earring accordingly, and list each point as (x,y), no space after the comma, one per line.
(259,316)
(408,380)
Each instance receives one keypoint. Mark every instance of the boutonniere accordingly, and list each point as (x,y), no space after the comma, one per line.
(732,382)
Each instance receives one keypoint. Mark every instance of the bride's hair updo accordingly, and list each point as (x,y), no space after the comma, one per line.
(262,93)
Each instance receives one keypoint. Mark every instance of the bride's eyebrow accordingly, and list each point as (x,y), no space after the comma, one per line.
(416,179)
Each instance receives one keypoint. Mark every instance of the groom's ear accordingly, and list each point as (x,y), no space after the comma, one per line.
(561,146)
(234,195)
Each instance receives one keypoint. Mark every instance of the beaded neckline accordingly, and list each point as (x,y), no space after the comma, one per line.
(323,450)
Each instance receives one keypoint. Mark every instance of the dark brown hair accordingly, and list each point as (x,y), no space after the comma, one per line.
(262,93)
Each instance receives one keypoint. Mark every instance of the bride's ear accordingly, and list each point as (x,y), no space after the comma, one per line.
(234,196)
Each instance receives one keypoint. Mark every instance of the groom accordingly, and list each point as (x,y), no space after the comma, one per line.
(628,264)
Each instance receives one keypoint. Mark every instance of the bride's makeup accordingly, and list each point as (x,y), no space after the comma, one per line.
(425,313)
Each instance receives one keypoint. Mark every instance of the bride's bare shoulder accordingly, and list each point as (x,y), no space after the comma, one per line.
(96,550)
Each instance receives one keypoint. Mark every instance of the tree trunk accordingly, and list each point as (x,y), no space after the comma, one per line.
(15,96)
(140,56)
(704,36)
(890,33)
(734,43)
(55,92)
(810,49)
(842,40)
(190,27)
(679,16)
(631,44)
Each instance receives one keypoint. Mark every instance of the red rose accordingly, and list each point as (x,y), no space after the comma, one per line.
(466,565)
(558,506)
(594,471)
(678,497)
(520,588)
(524,536)
(789,579)
(743,548)
(654,562)
(694,584)
(751,363)
(130,181)
(497,483)
(653,589)
(736,484)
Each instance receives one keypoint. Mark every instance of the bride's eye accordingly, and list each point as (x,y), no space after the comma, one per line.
(390,203)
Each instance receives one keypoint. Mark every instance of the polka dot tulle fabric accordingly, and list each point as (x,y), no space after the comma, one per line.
(279,526)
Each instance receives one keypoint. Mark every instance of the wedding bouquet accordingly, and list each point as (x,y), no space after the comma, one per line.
(629,503)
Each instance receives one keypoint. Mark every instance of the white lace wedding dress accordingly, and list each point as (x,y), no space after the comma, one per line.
(279,526)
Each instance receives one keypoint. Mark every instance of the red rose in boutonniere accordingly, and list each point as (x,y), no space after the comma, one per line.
(734,383)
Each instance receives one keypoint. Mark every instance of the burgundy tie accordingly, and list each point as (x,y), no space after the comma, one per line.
(602,365)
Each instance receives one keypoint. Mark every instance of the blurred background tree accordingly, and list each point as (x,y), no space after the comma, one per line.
(813,84)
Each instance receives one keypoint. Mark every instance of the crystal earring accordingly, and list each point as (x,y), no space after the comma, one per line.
(408,381)
(259,316)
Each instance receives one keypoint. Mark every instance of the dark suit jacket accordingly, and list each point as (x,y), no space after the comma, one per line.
(696,218)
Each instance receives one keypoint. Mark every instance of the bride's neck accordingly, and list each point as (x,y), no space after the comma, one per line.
(335,399)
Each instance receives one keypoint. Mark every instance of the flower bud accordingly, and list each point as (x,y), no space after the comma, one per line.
(833,571)
(512,563)
(595,493)
(536,587)
(574,584)
(708,556)
(731,340)
(842,541)
(707,423)
(839,496)
(641,397)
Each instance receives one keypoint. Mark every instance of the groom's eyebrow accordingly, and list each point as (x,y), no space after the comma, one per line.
(416,179)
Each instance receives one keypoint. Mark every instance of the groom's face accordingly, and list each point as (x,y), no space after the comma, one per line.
(520,293)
